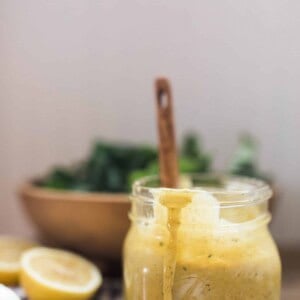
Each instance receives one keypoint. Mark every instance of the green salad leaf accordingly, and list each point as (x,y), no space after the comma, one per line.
(244,161)
(113,167)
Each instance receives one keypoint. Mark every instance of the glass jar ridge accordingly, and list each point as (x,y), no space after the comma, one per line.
(236,201)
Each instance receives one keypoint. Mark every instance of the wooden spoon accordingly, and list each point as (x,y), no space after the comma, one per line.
(168,163)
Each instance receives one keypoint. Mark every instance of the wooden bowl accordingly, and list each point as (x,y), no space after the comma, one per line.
(94,224)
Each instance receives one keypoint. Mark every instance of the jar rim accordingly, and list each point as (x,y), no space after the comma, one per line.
(247,191)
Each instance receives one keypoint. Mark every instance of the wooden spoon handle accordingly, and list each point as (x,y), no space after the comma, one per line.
(167,143)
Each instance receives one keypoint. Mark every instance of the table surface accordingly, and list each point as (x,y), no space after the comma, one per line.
(111,290)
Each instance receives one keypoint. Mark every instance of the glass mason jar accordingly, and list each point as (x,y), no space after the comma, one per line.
(208,239)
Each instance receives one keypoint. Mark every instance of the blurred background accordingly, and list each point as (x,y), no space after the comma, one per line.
(73,71)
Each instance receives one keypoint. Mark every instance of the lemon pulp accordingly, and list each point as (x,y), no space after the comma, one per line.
(11,250)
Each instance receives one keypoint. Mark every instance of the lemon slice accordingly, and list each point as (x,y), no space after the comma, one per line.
(59,275)
(7,294)
(11,250)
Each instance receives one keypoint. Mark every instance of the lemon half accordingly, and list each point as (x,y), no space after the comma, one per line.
(56,274)
(11,250)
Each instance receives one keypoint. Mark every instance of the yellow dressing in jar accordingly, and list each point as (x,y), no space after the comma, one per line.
(201,243)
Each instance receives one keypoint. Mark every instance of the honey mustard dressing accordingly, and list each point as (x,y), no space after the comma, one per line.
(186,246)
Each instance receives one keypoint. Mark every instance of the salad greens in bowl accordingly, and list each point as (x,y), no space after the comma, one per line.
(112,167)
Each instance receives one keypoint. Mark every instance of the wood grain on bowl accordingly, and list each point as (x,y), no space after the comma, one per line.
(94,224)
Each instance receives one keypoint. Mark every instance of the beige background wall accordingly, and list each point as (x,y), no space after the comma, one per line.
(74,70)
